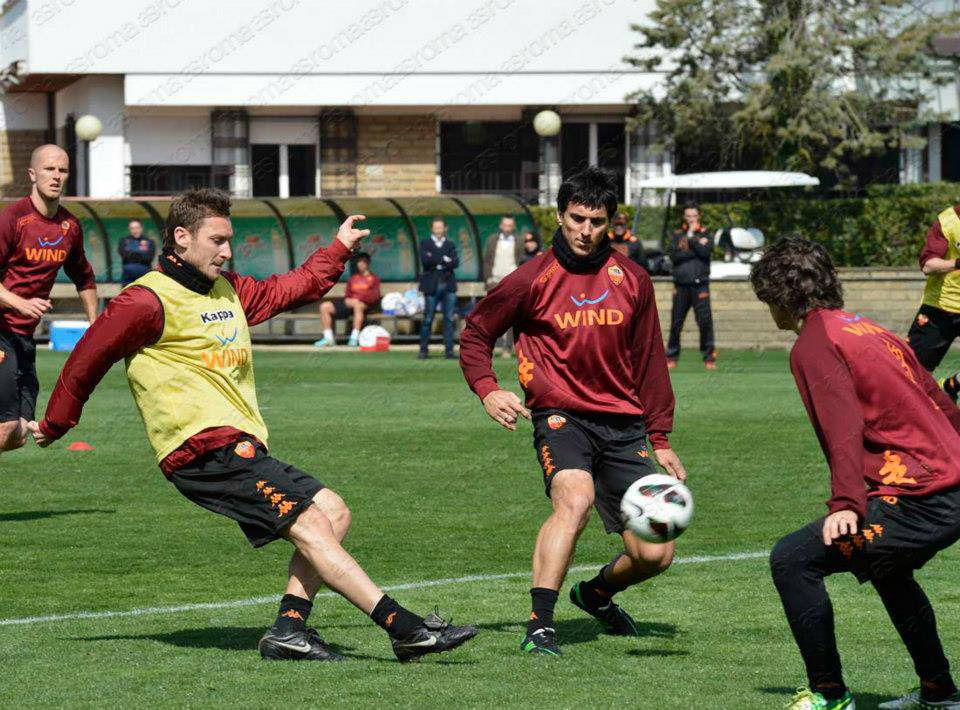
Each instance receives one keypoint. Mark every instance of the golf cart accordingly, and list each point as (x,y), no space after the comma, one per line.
(741,245)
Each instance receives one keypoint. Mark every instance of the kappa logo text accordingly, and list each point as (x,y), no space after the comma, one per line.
(216,316)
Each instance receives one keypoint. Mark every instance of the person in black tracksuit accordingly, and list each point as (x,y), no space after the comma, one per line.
(690,251)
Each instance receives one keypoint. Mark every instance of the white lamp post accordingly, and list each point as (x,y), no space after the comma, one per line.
(88,129)
(547,125)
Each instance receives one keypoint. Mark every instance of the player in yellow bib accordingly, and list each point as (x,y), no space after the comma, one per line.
(938,321)
(183,331)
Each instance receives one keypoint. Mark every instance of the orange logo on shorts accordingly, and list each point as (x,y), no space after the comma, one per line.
(555,421)
(3,356)
(292,614)
(245,450)
(922,320)
(548,466)
(616,275)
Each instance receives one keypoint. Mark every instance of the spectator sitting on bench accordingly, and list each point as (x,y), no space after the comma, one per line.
(362,295)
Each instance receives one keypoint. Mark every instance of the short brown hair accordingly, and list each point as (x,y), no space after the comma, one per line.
(190,208)
(798,276)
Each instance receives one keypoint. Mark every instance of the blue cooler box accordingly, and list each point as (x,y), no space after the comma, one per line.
(64,334)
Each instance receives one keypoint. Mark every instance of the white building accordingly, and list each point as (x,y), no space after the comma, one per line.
(298,97)
(310,97)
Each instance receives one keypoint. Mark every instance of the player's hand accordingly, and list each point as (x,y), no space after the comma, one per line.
(843,522)
(670,462)
(33,307)
(39,437)
(349,235)
(504,407)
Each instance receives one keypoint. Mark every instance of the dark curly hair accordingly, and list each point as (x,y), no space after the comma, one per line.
(190,208)
(798,276)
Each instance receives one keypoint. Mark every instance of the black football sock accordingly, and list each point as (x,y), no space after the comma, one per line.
(293,614)
(394,619)
(544,600)
(598,592)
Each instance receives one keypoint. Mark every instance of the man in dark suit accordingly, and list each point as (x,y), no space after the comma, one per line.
(137,252)
(438,257)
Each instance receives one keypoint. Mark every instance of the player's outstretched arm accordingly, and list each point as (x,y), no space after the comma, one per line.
(131,321)
(496,312)
(263,299)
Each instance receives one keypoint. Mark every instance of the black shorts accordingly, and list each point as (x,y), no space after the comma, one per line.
(612,447)
(899,535)
(241,482)
(931,335)
(18,377)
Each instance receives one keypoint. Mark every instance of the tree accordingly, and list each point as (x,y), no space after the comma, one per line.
(810,85)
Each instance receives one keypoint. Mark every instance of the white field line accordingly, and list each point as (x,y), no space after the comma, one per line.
(274,598)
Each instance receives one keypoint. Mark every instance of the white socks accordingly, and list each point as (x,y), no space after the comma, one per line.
(328,333)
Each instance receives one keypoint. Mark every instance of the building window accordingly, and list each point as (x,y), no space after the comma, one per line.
(171,179)
(489,156)
(280,170)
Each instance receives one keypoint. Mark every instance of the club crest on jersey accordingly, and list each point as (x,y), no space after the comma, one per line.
(216,316)
(616,275)
(555,421)
(245,450)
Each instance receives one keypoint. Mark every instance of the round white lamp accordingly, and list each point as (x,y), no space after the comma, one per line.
(88,128)
(547,123)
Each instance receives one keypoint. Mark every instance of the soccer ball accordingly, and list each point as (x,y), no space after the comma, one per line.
(657,508)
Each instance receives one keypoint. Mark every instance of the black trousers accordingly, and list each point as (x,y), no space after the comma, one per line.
(800,562)
(698,298)
(931,335)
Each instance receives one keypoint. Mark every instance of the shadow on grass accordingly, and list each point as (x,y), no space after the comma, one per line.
(573,631)
(26,515)
(865,701)
(241,638)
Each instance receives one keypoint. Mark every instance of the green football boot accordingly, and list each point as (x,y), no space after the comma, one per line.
(806,699)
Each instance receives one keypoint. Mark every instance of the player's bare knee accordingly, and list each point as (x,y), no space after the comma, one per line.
(334,508)
(311,528)
(12,436)
(651,557)
(573,500)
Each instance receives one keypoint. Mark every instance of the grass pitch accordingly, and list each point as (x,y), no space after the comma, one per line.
(438,492)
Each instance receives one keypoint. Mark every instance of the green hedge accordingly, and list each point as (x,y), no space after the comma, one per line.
(885,228)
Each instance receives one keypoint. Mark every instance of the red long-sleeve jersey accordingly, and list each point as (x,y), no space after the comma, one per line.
(884,425)
(134,319)
(586,342)
(365,288)
(33,247)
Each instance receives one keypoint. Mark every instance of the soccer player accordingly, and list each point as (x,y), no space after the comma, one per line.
(37,237)
(593,370)
(890,437)
(184,331)
(361,295)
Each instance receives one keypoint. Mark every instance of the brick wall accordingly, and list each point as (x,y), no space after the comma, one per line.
(890,297)
(396,156)
(15,149)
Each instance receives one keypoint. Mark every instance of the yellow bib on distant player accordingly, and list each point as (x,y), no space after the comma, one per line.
(200,373)
(943,290)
